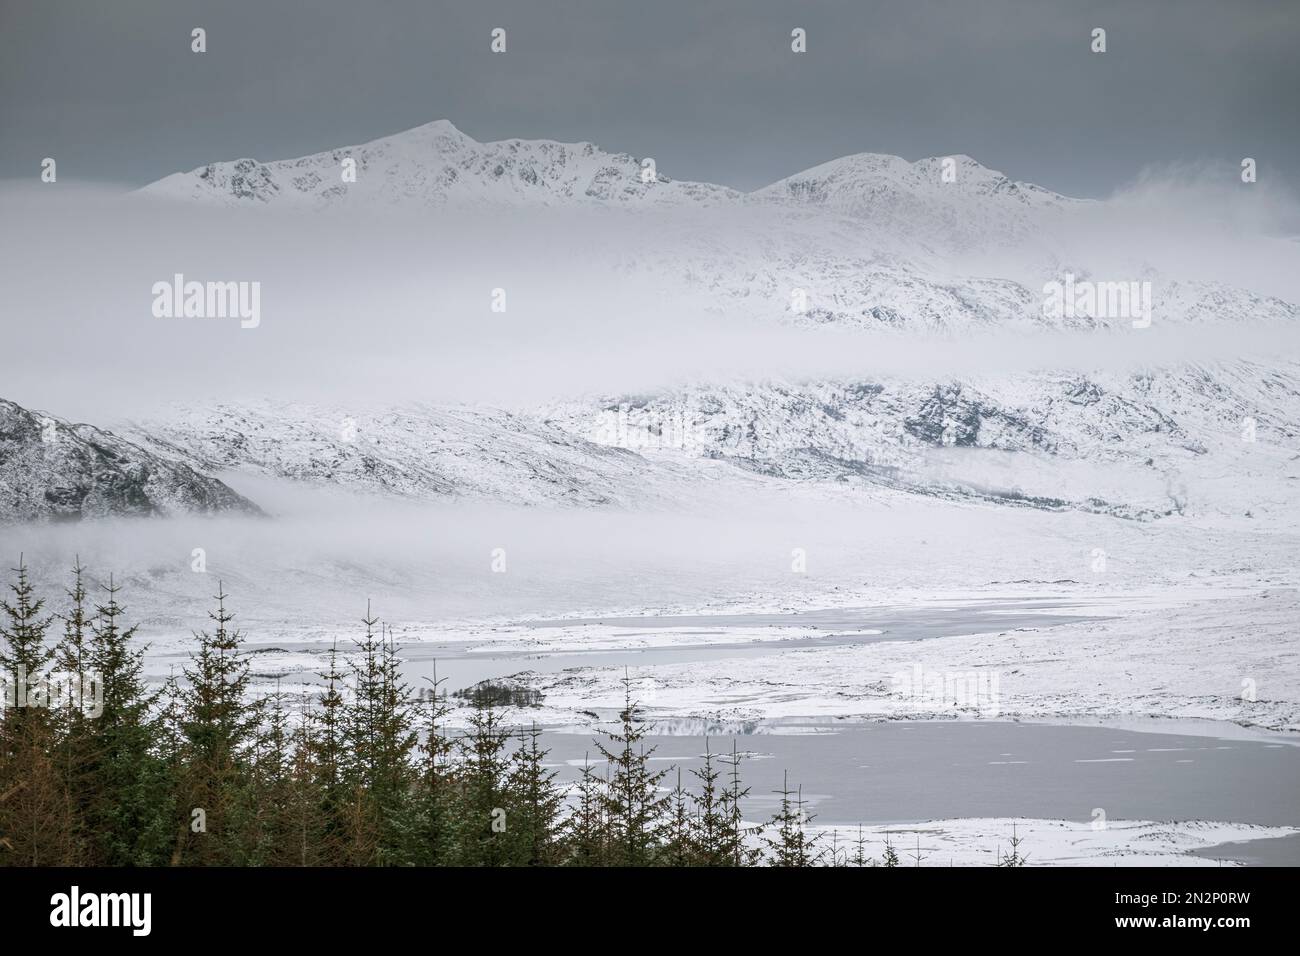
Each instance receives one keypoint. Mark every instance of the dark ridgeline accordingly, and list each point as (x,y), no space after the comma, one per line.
(361,772)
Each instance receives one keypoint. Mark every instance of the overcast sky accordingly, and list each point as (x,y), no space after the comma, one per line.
(709,88)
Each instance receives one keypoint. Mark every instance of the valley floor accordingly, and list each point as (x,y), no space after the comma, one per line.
(1215,663)
(1233,659)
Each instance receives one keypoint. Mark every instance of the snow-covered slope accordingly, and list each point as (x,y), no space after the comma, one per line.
(868,239)
(53,469)
(417,452)
(1218,440)
(435,164)
(971,202)
(867,243)
(804,267)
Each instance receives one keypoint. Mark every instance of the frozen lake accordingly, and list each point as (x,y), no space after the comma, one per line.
(460,665)
(910,771)
(903,771)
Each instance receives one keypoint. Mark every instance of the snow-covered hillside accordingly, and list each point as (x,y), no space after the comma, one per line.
(419,452)
(966,200)
(1204,440)
(860,246)
(54,469)
(864,241)
(435,164)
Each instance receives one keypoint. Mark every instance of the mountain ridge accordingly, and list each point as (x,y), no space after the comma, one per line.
(52,469)
(525,167)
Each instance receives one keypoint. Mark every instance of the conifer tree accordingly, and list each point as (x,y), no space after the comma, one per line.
(130,810)
(736,845)
(917,855)
(680,829)
(535,802)
(790,845)
(322,756)
(381,740)
(834,859)
(713,844)
(24,656)
(217,726)
(860,857)
(266,802)
(37,819)
(483,834)
(633,806)
(890,857)
(308,839)
(1015,857)
(74,747)
(587,831)
(433,801)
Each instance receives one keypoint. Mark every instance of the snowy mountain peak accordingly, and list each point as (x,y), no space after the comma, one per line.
(948,200)
(435,164)
(862,174)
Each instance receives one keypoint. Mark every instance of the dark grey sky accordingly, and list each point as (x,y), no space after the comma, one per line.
(707,87)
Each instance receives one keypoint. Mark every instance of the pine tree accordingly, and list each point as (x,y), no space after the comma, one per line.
(917,855)
(217,727)
(713,842)
(860,857)
(75,754)
(381,741)
(434,795)
(890,856)
(679,832)
(38,821)
(24,656)
(633,805)
(534,803)
(790,845)
(322,757)
(587,832)
(308,839)
(1015,857)
(483,823)
(735,843)
(129,809)
(269,837)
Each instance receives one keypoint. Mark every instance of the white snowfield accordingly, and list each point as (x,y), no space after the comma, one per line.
(982,841)
(886,319)
(1232,659)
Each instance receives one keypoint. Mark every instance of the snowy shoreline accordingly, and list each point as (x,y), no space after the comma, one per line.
(980,841)
(1230,660)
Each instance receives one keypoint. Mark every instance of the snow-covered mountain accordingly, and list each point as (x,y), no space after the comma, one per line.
(54,469)
(436,164)
(418,452)
(1216,439)
(868,239)
(865,243)
(965,201)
